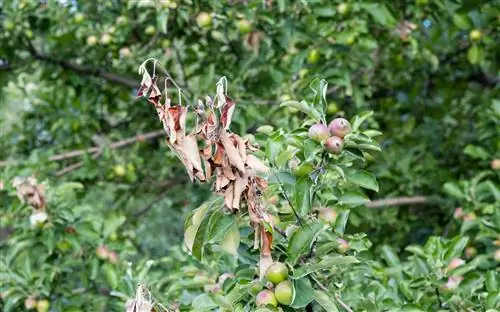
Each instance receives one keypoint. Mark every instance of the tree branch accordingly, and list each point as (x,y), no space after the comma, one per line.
(398,201)
(90,150)
(131,83)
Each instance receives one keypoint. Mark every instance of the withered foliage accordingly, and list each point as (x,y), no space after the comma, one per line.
(210,152)
(28,191)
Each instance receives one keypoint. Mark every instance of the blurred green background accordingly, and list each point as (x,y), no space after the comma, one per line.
(68,77)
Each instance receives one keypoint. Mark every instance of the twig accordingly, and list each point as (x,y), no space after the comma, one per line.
(288,199)
(90,150)
(277,229)
(77,165)
(345,306)
(167,185)
(398,201)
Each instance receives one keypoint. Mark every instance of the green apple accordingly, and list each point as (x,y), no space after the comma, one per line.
(42,306)
(277,273)
(119,170)
(204,20)
(284,292)
(244,26)
(343,8)
(150,30)
(106,38)
(313,56)
(79,18)
(475,35)
(91,40)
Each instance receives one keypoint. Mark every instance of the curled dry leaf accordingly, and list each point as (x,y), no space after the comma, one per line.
(28,191)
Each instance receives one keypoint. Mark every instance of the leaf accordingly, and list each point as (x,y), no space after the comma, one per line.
(381,14)
(303,107)
(453,189)
(325,264)
(476,152)
(353,198)
(302,239)
(341,222)
(203,303)
(302,196)
(199,239)
(455,247)
(232,240)
(304,293)
(162,21)
(358,119)
(390,256)
(112,223)
(364,179)
(324,301)
(475,54)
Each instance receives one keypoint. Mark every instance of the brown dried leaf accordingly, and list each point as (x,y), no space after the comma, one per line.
(227,112)
(239,187)
(221,181)
(240,144)
(219,155)
(208,169)
(155,95)
(190,149)
(145,84)
(228,170)
(232,153)
(256,164)
(229,196)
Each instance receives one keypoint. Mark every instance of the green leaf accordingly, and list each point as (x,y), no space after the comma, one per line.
(232,240)
(461,21)
(390,256)
(304,293)
(110,275)
(199,240)
(353,198)
(323,299)
(455,247)
(359,119)
(476,152)
(363,178)
(454,190)
(302,239)
(381,14)
(475,54)
(341,222)
(302,196)
(203,303)
(326,263)
(303,107)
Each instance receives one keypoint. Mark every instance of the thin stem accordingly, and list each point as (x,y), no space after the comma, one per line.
(287,199)
(345,306)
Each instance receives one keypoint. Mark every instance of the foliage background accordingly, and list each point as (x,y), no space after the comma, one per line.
(431,81)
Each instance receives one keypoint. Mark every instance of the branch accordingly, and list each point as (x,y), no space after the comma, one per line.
(76,153)
(83,69)
(398,201)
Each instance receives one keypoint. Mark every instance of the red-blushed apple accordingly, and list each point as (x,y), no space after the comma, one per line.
(333,145)
(265,298)
(339,127)
(318,132)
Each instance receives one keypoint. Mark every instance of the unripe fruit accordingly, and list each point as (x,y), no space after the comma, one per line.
(256,287)
(42,306)
(334,145)
(79,17)
(343,8)
(106,38)
(102,252)
(332,108)
(313,57)
(475,35)
(265,298)
(339,127)
(119,170)
(284,292)
(204,20)
(30,303)
(458,213)
(125,52)
(470,216)
(303,72)
(166,43)
(497,255)
(121,20)
(8,25)
(495,164)
(91,40)
(327,215)
(343,245)
(455,263)
(113,257)
(452,284)
(277,273)
(470,252)
(422,2)
(150,30)
(350,40)
(38,218)
(244,26)
(318,132)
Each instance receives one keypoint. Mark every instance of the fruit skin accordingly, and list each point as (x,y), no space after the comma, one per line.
(313,57)
(106,39)
(497,255)
(339,127)
(266,297)
(455,263)
(343,245)
(244,26)
(125,52)
(91,40)
(79,18)
(256,287)
(475,35)
(150,30)
(119,170)
(343,8)
(327,215)
(470,252)
(284,292)
(277,273)
(495,164)
(204,20)
(102,252)
(318,132)
(42,306)
(30,303)
(452,284)
(333,145)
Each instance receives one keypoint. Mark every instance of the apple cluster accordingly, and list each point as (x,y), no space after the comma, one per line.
(277,275)
(332,135)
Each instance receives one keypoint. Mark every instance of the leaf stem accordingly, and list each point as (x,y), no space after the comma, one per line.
(288,199)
